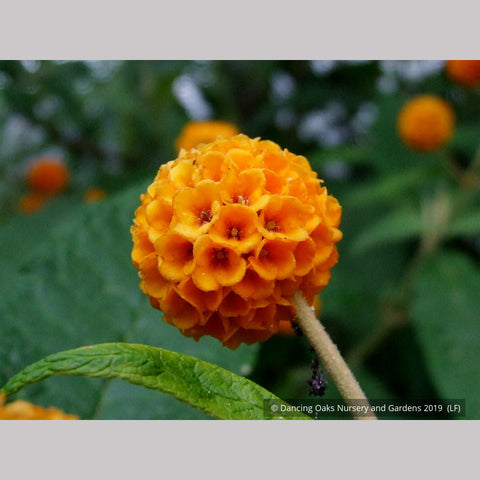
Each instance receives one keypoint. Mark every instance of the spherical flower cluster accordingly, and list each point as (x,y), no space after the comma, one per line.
(22,410)
(426,123)
(464,72)
(228,232)
(48,176)
(195,133)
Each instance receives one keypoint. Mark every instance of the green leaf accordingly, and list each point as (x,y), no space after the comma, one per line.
(208,387)
(465,138)
(22,233)
(446,313)
(387,188)
(466,223)
(351,154)
(403,224)
(406,222)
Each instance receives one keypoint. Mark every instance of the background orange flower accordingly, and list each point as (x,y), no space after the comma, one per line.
(197,132)
(228,232)
(22,410)
(426,123)
(48,176)
(464,72)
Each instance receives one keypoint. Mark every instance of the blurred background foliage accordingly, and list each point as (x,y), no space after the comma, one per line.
(403,303)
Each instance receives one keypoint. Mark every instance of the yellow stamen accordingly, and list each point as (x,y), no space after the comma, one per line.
(221,255)
(241,200)
(271,225)
(234,233)
(205,216)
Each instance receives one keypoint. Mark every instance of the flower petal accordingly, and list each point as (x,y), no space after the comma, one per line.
(216,265)
(284,218)
(236,227)
(195,208)
(153,283)
(273,259)
(253,286)
(176,253)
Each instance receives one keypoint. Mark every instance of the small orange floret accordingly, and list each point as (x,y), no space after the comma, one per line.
(153,283)
(234,305)
(48,176)
(215,265)
(254,286)
(201,300)
(22,410)
(196,133)
(273,260)
(228,232)
(284,217)
(236,227)
(180,312)
(304,255)
(245,187)
(464,72)
(158,214)
(195,208)
(32,202)
(426,123)
(176,254)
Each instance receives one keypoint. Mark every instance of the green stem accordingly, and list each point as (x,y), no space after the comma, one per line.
(329,354)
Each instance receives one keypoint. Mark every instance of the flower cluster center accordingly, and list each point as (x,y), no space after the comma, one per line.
(221,255)
(205,216)
(263,253)
(272,226)
(242,200)
(235,233)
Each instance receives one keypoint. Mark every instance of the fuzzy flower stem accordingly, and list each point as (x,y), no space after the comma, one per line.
(329,355)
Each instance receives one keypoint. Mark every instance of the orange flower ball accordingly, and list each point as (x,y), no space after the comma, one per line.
(22,410)
(228,232)
(426,123)
(48,176)
(464,72)
(195,133)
